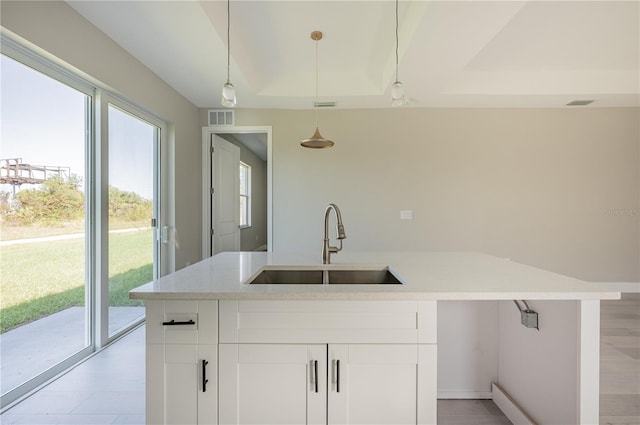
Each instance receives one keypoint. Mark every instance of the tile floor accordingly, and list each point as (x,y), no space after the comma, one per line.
(36,346)
(470,412)
(109,387)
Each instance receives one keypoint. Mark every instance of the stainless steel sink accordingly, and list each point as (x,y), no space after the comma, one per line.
(383,276)
(276,276)
(335,276)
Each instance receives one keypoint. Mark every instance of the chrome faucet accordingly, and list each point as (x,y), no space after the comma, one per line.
(326,248)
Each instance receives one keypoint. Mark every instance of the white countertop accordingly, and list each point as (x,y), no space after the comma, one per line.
(425,276)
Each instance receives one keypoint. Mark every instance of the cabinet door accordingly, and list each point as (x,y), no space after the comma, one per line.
(176,389)
(382,384)
(272,384)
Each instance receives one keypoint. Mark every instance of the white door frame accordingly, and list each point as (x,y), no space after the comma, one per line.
(206,166)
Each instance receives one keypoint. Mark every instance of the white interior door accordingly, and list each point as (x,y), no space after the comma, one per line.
(225,197)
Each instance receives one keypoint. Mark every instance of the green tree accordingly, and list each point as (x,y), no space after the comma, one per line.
(128,206)
(60,200)
(57,200)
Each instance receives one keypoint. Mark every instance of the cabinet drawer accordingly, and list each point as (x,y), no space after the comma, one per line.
(327,321)
(182,322)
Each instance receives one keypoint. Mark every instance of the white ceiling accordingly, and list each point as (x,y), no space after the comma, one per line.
(452,53)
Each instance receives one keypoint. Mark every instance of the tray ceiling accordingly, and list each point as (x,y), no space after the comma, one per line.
(452,53)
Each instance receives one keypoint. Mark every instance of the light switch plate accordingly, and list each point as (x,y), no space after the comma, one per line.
(406,215)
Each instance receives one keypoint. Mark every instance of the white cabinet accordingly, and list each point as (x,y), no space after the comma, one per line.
(273,384)
(291,362)
(327,384)
(181,362)
(186,390)
(382,384)
(376,362)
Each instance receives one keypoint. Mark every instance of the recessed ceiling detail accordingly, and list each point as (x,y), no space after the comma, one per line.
(452,53)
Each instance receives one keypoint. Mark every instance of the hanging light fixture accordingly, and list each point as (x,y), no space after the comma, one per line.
(397,91)
(228,91)
(316,141)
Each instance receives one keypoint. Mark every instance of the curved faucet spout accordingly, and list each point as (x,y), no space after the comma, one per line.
(327,249)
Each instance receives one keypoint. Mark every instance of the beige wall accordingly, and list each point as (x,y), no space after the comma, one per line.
(554,188)
(58,29)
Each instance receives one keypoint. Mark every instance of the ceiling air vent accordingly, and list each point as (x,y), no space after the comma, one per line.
(580,102)
(221,117)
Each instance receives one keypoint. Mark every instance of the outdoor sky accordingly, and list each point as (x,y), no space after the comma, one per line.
(42,121)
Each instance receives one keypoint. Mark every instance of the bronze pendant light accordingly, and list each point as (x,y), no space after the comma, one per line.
(317,141)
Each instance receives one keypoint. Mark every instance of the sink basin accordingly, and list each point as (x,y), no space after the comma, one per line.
(277,276)
(335,276)
(383,276)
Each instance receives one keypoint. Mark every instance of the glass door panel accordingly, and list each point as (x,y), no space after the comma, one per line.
(44,281)
(132,205)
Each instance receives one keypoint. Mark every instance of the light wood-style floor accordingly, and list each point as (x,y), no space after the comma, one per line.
(109,387)
(620,361)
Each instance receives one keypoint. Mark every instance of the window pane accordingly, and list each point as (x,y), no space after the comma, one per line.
(243,179)
(243,211)
(131,195)
(42,223)
(245,194)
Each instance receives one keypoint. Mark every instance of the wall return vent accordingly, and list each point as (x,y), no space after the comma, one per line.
(219,117)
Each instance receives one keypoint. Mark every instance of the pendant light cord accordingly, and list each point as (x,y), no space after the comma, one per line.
(316,105)
(229,40)
(397,40)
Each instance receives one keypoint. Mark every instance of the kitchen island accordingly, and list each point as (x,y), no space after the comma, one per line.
(222,350)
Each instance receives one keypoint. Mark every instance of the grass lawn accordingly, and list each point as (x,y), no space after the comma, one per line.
(9,232)
(39,279)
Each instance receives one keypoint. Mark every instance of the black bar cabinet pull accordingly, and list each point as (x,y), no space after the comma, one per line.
(174,323)
(204,376)
(315,373)
(338,375)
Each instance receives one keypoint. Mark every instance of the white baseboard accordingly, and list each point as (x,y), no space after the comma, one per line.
(621,286)
(466,395)
(510,408)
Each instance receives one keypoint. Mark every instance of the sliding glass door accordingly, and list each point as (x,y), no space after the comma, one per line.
(44,210)
(133,242)
(79,217)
